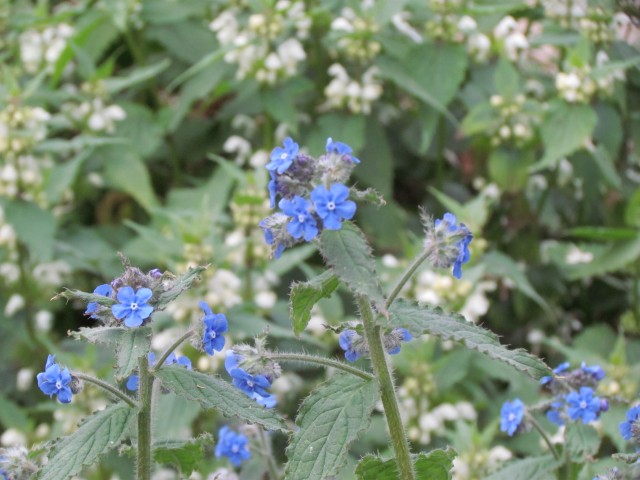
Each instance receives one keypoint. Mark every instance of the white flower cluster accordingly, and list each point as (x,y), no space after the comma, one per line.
(268,45)
(511,38)
(356,36)
(21,127)
(579,85)
(518,118)
(43,48)
(356,95)
(95,115)
(478,463)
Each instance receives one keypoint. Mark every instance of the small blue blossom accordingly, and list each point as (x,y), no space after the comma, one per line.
(346,342)
(403,335)
(332,205)
(133,307)
(282,157)
(254,386)
(583,405)
(268,238)
(595,371)
(453,243)
(55,381)
(272,186)
(558,370)
(340,148)
(233,446)
(626,428)
(105,290)
(511,416)
(302,223)
(215,324)
(133,381)
(4,475)
(554,414)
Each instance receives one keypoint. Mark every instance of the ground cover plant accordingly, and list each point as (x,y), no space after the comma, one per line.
(304,239)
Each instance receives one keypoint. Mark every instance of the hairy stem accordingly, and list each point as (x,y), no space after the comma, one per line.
(265,445)
(322,361)
(543,434)
(387,391)
(145,392)
(407,275)
(107,387)
(171,349)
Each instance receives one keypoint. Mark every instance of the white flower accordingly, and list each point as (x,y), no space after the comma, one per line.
(479,46)
(24,379)
(13,438)
(44,320)
(238,145)
(576,256)
(342,24)
(505,27)
(265,300)
(467,25)
(513,44)
(399,21)
(14,304)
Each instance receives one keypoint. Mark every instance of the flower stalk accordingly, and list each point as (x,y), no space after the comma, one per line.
(145,392)
(107,387)
(320,361)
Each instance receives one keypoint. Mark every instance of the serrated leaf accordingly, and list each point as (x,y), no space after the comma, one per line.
(183,454)
(434,465)
(98,434)
(627,457)
(212,392)
(104,335)
(349,256)
(420,319)
(533,468)
(134,343)
(370,195)
(304,295)
(330,418)
(582,441)
(180,284)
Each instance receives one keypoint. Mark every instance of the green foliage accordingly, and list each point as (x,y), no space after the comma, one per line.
(133,344)
(98,434)
(211,392)
(185,455)
(533,468)
(305,295)
(582,441)
(434,465)
(329,420)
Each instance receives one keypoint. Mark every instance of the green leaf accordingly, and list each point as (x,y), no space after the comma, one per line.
(304,295)
(330,418)
(180,284)
(347,253)
(117,84)
(603,233)
(12,416)
(134,343)
(63,175)
(434,465)
(532,468)
(481,117)
(34,227)
(582,441)
(98,434)
(420,319)
(510,168)
(564,131)
(211,392)
(104,335)
(127,172)
(506,79)
(605,164)
(183,454)
(632,213)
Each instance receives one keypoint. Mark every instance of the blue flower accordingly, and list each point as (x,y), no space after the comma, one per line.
(458,253)
(511,416)
(403,335)
(626,428)
(583,405)
(340,148)
(133,381)
(554,414)
(215,324)
(4,475)
(282,158)
(105,290)
(133,307)
(558,370)
(55,381)
(268,238)
(233,446)
(332,205)
(302,224)
(346,341)
(272,186)
(254,386)
(595,371)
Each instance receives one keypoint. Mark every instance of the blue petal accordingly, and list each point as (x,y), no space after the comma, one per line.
(126,295)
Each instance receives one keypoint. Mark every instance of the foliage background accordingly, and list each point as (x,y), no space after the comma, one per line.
(142,127)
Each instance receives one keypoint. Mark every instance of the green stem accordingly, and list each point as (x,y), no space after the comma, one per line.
(543,434)
(145,392)
(107,387)
(387,391)
(407,275)
(322,361)
(170,350)
(265,445)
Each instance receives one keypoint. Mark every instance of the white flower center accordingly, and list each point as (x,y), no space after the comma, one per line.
(583,405)
(235,449)
(250,383)
(511,417)
(331,206)
(283,156)
(212,334)
(302,217)
(133,306)
(58,385)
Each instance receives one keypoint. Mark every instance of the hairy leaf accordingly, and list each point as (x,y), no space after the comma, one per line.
(434,465)
(134,343)
(85,297)
(532,468)
(212,392)
(304,295)
(98,434)
(349,256)
(183,454)
(104,335)
(582,440)
(420,319)
(329,420)
(180,285)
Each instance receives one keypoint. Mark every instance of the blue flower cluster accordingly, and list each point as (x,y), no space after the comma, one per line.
(313,194)
(580,403)
(449,243)
(232,445)
(215,324)
(133,306)
(254,386)
(55,381)
(133,382)
(511,416)
(355,345)
(630,429)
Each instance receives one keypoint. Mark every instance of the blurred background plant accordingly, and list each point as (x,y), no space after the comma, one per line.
(144,127)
